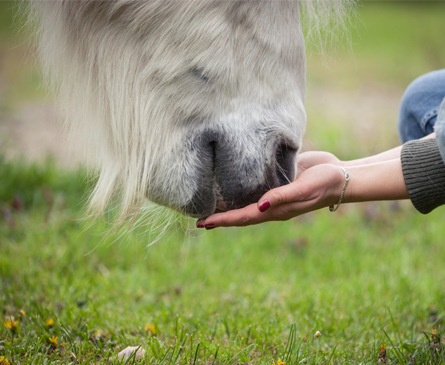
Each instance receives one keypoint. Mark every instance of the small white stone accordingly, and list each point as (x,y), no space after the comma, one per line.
(126,353)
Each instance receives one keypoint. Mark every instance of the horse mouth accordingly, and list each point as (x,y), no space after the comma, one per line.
(233,179)
(221,205)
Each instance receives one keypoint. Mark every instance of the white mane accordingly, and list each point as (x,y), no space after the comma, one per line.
(326,20)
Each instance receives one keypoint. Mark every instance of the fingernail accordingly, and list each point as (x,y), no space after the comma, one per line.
(199,224)
(264,206)
(209,226)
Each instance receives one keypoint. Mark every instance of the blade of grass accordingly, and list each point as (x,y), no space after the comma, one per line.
(180,349)
(196,354)
(216,355)
(396,327)
(332,354)
(165,356)
(290,343)
(396,350)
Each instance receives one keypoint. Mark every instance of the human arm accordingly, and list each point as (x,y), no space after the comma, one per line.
(316,188)
(312,158)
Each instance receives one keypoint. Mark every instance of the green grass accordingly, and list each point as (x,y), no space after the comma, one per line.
(390,41)
(20,78)
(349,275)
(364,276)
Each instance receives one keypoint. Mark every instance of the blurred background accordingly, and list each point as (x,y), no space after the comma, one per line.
(348,274)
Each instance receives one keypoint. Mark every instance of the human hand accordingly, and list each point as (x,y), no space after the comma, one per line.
(309,159)
(317,187)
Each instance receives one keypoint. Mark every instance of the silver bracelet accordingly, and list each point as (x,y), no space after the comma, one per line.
(331,208)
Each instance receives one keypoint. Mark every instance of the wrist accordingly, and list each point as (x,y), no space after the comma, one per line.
(333,185)
(377,181)
(344,182)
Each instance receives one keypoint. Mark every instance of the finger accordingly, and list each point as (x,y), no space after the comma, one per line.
(200,223)
(250,215)
(236,218)
(293,209)
(303,163)
(293,192)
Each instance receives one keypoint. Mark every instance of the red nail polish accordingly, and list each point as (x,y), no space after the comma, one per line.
(210,226)
(264,206)
(199,225)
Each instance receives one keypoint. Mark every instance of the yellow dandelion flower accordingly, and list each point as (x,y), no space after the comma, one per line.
(435,336)
(4,361)
(317,334)
(150,328)
(50,322)
(22,312)
(54,341)
(11,324)
(279,362)
(382,353)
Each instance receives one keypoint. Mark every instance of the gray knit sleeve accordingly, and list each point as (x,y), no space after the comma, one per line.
(424,174)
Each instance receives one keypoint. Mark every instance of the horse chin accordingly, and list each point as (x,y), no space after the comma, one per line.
(206,204)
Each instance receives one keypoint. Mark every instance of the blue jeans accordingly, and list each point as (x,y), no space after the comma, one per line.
(420,106)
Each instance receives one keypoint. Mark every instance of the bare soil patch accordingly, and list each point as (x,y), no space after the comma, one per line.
(34,132)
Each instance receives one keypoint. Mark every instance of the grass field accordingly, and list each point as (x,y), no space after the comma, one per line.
(367,275)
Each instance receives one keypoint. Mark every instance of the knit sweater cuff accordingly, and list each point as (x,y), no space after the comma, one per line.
(424,174)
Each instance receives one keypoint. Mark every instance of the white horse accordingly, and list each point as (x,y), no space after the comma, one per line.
(197,105)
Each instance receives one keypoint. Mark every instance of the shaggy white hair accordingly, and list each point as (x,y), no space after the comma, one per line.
(139,79)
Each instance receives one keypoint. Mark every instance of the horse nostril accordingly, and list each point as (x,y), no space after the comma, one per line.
(285,167)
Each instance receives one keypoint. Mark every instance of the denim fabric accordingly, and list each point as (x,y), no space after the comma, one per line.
(440,129)
(420,107)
